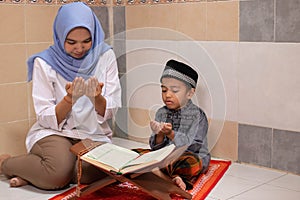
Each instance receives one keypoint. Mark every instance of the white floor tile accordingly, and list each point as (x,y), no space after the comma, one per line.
(230,186)
(266,192)
(22,193)
(250,172)
(289,181)
(240,182)
(210,198)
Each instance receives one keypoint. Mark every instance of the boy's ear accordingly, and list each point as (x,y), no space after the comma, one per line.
(191,93)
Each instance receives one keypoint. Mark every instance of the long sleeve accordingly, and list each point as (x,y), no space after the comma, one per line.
(112,88)
(43,93)
(190,127)
(83,121)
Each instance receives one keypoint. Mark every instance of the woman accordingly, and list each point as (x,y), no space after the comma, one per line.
(75,91)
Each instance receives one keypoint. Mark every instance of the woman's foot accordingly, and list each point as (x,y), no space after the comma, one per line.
(17,182)
(179,182)
(2,158)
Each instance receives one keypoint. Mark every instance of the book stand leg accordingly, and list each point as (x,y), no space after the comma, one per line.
(155,183)
(151,180)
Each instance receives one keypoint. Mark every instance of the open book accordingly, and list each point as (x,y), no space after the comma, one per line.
(117,159)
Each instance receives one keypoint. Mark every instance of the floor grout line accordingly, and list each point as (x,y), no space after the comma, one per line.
(257,186)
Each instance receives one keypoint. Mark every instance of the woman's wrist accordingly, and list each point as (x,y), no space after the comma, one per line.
(100,104)
(69,99)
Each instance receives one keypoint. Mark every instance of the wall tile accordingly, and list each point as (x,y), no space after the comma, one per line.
(119,22)
(143,86)
(286,151)
(12,69)
(120,132)
(144,103)
(225,57)
(227,144)
(139,127)
(254,145)
(33,49)
(257,20)
(150,52)
(103,16)
(223,21)
(13,137)
(12,24)
(120,51)
(119,28)
(39,22)
(145,63)
(163,16)
(137,17)
(191,20)
(120,123)
(210,91)
(123,83)
(287,21)
(269,85)
(14,102)
(31,110)
(36,48)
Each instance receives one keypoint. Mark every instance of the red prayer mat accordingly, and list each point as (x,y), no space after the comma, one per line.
(127,191)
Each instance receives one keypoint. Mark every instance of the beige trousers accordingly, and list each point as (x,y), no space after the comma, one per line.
(50,165)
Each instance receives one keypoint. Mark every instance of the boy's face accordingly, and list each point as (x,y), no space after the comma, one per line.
(175,93)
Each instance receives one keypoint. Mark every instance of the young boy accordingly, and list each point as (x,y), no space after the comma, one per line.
(182,123)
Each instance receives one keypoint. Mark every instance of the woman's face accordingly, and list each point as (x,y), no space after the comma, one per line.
(78,42)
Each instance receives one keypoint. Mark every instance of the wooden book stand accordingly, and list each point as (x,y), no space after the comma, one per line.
(149,179)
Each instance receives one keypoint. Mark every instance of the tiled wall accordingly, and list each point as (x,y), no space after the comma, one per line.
(253,45)
(246,53)
(26,28)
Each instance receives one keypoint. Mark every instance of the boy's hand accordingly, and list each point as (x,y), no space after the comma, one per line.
(155,126)
(161,128)
(166,128)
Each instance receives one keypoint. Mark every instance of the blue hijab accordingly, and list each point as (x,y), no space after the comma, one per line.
(70,16)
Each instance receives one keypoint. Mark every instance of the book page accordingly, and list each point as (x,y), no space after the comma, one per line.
(112,155)
(157,155)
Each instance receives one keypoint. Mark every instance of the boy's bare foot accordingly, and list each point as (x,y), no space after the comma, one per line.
(179,182)
(2,158)
(17,182)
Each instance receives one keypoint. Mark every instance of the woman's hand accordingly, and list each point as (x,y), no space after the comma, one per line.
(76,89)
(93,88)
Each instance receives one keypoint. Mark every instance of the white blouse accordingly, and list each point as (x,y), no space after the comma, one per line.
(48,89)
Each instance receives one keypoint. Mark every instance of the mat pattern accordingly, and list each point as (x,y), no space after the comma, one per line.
(127,191)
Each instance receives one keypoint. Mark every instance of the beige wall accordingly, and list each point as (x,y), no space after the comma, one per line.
(179,28)
(260,80)
(25,29)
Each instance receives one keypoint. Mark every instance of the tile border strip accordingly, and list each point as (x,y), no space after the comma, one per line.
(102,2)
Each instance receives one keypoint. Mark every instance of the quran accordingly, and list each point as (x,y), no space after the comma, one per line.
(120,160)
(124,165)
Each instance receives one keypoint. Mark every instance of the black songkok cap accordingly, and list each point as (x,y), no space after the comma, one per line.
(180,71)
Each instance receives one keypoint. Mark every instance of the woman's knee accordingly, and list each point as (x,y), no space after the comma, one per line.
(56,165)
(54,181)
